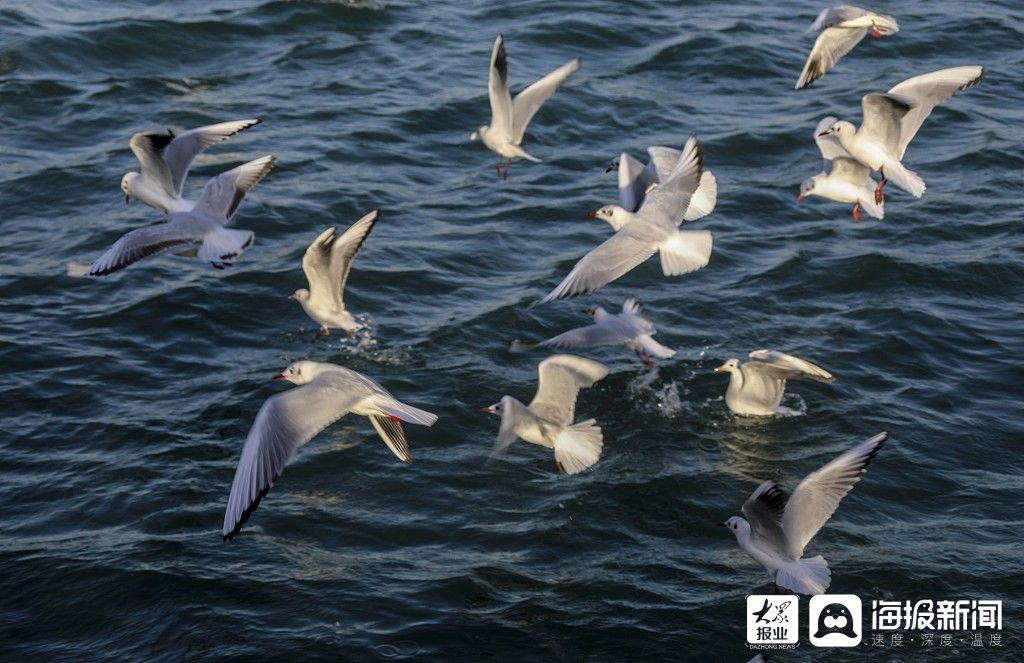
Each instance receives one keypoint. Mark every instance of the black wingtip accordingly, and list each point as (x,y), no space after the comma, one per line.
(248,512)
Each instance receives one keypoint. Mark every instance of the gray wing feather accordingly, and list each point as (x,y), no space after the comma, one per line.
(222,194)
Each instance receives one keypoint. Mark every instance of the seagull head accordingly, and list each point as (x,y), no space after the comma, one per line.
(737,526)
(299,372)
(614,165)
(729,366)
(807,188)
(614,215)
(126,186)
(492,409)
(300,295)
(840,128)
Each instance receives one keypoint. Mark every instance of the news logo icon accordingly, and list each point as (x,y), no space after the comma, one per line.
(835,620)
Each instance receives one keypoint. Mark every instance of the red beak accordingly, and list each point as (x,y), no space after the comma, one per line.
(800,197)
(487,409)
(823,133)
(279,376)
(592,215)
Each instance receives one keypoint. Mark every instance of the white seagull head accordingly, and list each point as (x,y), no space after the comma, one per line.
(126,186)
(299,372)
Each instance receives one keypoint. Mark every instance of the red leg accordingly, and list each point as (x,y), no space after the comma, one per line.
(508,164)
(856,213)
(880,191)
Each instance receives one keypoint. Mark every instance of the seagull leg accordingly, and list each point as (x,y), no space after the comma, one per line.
(880,191)
(874,30)
(775,588)
(856,212)
(645,358)
(322,332)
(508,164)
(497,169)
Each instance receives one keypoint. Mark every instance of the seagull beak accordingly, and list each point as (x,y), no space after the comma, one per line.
(291,296)
(279,376)
(127,198)
(489,409)
(610,168)
(720,369)
(592,215)
(800,197)
(825,133)
(721,524)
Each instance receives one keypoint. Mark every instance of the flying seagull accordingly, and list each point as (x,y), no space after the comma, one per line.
(288,420)
(630,328)
(548,419)
(778,529)
(756,386)
(654,228)
(326,263)
(892,119)
(841,29)
(165,159)
(843,179)
(509,116)
(200,232)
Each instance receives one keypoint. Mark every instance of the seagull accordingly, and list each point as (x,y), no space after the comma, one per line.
(841,29)
(844,178)
(326,264)
(756,387)
(288,420)
(547,420)
(779,528)
(509,116)
(892,119)
(652,229)
(636,179)
(165,158)
(630,328)
(200,231)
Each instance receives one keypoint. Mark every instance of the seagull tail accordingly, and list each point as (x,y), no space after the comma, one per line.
(520,152)
(224,245)
(809,575)
(905,179)
(867,203)
(654,348)
(578,447)
(408,413)
(685,251)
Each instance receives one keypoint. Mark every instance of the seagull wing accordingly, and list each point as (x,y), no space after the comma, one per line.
(149,148)
(184,148)
(609,331)
(284,423)
(666,204)
(497,91)
(781,366)
(927,91)
(560,379)
(816,498)
(883,119)
(633,182)
(828,144)
(142,243)
(831,44)
(619,254)
(222,194)
(527,102)
(764,510)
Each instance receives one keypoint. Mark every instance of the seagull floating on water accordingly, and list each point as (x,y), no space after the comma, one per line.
(509,116)
(636,179)
(841,29)
(199,232)
(779,529)
(843,179)
(892,119)
(547,420)
(630,328)
(756,387)
(288,420)
(165,159)
(326,263)
(654,228)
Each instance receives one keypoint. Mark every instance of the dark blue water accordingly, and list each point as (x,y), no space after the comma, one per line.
(126,400)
